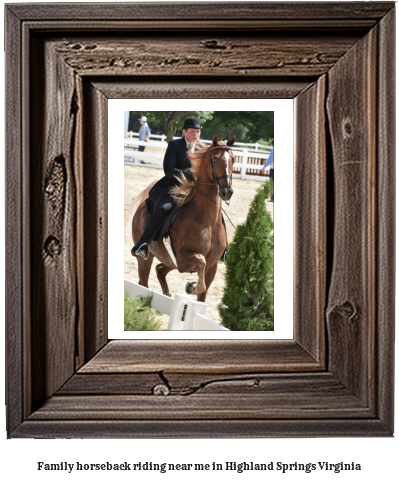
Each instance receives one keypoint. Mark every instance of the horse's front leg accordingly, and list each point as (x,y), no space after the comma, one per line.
(190,261)
(210,273)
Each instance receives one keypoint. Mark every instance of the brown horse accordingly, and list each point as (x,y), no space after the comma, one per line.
(198,237)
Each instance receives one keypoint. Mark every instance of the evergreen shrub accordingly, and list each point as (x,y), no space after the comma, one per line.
(139,316)
(248,300)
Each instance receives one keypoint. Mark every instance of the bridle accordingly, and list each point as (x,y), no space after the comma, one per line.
(215,178)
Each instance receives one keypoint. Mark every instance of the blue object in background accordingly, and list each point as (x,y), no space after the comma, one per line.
(270,159)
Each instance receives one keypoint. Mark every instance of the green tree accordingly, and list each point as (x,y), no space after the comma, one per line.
(248,126)
(248,300)
(171,122)
(171,119)
(251,126)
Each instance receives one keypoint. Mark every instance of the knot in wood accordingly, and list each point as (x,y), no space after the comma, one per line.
(52,246)
(349,310)
(213,44)
(90,47)
(346,310)
(161,390)
(51,249)
(347,128)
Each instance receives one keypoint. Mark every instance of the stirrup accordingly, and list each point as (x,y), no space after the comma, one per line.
(143,253)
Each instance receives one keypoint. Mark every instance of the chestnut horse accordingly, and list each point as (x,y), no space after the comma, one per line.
(198,237)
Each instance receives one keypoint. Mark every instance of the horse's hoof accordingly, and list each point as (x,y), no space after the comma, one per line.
(189,286)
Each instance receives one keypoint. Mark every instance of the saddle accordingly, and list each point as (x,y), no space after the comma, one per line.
(165,228)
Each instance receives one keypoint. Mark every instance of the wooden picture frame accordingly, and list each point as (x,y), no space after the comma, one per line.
(335,378)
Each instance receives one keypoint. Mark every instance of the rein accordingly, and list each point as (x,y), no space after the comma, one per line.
(214,202)
(199,189)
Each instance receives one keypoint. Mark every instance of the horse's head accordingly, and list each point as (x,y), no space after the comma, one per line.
(222,160)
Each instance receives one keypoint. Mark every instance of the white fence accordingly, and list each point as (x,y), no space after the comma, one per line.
(162,138)
(248,162)
(185,312)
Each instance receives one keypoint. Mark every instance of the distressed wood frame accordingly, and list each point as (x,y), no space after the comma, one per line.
(335,378)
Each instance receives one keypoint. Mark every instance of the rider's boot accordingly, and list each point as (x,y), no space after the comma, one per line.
(142,247)
(223,257)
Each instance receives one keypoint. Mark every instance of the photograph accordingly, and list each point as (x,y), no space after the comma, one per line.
(207,222)
(198,192)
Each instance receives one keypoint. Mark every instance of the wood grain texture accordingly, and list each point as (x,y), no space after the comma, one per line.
(351,307)
(15,207)
(335,377)
(200,356)
(53,212)
(114,384)
(184,384)
(310,230)
(95,202)
(359,14)
(262,88)
(204,55)
(385,245)
(192,428)
(247,406)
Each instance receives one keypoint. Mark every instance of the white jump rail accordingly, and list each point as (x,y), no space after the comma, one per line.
(186,313)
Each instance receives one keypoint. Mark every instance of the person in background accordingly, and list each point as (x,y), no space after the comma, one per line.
(144,133)
(270,163)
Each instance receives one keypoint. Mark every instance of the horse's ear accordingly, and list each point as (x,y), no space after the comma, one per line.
(232,140)
(215,139)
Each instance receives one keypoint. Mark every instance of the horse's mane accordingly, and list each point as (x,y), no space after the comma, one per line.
(184,192)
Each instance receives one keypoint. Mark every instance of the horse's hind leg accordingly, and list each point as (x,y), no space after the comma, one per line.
(144,269)
(162,271)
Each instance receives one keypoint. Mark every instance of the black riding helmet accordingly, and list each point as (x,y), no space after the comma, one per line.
(192,123)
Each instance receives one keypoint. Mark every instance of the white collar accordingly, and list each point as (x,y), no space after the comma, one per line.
(188,145)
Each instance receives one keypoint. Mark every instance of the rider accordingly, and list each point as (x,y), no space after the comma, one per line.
(175,163)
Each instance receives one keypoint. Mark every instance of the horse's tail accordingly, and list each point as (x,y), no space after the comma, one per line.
(134,205)
(132,210)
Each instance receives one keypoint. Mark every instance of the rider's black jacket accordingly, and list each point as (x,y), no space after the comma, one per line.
(176,162)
